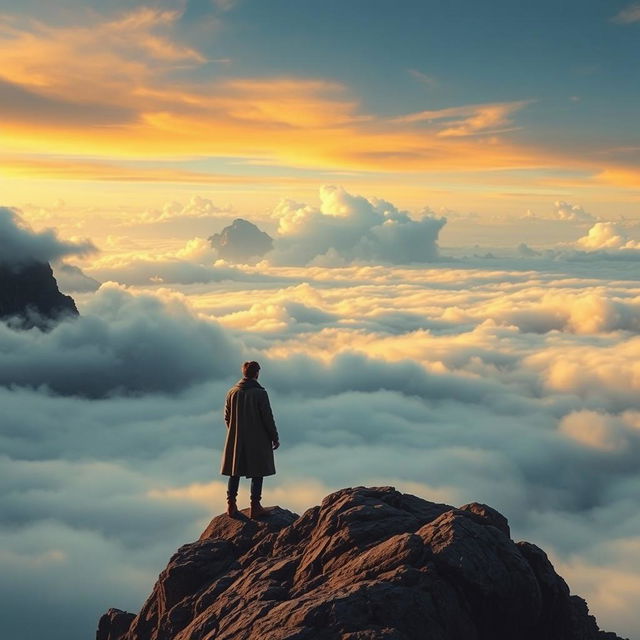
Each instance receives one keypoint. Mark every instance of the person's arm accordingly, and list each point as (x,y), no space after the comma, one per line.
(267,419)
(227,410)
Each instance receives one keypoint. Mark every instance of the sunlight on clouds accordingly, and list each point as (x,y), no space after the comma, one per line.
(511,386)
(296,495)
(469,120)
(610,372)
(58,84)
(611,591)
(282,120)
(444,494)
(260,317)
(620,176)
(597,430)
(396,349)
(287,101)
(606,235)
(348,228)
(583,312)
(79,61)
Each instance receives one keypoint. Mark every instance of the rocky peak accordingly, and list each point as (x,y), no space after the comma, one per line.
(241,241)
(29,295)
(366,564)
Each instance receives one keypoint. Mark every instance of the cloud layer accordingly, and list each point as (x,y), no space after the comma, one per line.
(509,381)
(350,228)
(120,344)
(19,244)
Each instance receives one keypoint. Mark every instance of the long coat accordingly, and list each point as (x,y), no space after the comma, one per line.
(251,430)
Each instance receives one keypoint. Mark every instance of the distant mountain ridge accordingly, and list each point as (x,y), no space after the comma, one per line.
(29,295)
(366,564)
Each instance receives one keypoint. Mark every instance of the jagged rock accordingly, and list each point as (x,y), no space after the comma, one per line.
(366,564)
(244,532)
(29,295)
(114,624)
(241,241)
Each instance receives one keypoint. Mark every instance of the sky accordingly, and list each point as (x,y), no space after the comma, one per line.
(450,303)
(486,107)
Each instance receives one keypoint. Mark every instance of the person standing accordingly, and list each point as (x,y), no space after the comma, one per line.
(252,437)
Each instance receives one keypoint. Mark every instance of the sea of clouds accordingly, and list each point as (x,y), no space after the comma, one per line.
(509,380)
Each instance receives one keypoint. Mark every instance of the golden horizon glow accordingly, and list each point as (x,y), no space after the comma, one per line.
(95,102)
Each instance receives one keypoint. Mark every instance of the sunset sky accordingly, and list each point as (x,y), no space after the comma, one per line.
(491,107)
(451,304)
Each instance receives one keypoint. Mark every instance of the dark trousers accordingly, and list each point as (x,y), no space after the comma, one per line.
(256,487)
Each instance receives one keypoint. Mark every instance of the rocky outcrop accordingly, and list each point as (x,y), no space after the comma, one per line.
(366,564)
(114,624)
(29,295)
(241,241)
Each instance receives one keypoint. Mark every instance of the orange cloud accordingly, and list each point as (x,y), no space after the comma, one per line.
(115,89)
(90,62)
(621,177)
(470,119)
(628,15)
(74,169)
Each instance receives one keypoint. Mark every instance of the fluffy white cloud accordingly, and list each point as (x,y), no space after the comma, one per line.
(572,212)
(197,207)
(562,211)
(350,228)
(190,263)
(606,235)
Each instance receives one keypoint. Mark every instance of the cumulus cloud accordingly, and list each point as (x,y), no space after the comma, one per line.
(525,250)
(19,244)
(563,212)
(350,228)
(197,207)
(191,263)
(606,235)
(572,212)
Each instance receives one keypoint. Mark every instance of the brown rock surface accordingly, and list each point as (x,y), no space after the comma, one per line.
(366,564)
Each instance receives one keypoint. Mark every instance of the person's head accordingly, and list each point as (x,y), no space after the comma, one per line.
(250,369)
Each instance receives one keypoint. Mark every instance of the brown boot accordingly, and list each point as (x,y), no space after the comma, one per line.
(257,510)
(232,507)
